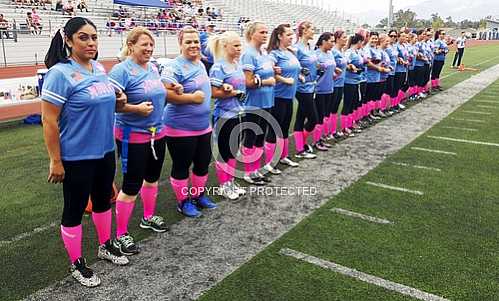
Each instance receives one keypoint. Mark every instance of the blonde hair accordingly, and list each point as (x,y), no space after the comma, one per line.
(184,30)
(132,38)
(251,29)
(301,28)
(217,43)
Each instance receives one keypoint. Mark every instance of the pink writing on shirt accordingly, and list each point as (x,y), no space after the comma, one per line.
(99,89)
(151,85)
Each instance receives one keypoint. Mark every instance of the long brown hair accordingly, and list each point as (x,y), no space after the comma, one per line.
(274,37)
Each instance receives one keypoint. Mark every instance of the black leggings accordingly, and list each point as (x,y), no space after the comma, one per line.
(86,178)
(420,76)
(224,129)
(351,99)
(437,69)
(427,74)
(390,86)
(411,81)
(363,93)
(337,96)
(372,91)
(185,151)
(458,57)
(306,110)
(323,102)
(250,137)
(398,81)
(142,165)
(282,112)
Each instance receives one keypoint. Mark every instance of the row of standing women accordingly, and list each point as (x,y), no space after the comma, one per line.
(86,112)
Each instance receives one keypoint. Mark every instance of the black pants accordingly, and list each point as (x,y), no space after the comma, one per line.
(307,111)
(458,57)
(372,91)
(411,79)
(322,101)
(398,81)
(437,69)
(227,137)
(282,112)
(142,165)
(250,137)
(363,93)
(86,178)
(337,96)
(351,98)
(420,72)
(427,74)
(390,86)
(187,151)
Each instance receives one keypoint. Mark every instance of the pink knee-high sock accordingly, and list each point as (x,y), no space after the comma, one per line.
(123,212)
(299,141)
(269,152)
(219,171)
(401,96)
(149,195)
(71,237)
(378,104)
(285,148)
(305,135)
(248,158)
(343,121)
(438,82)
(333,120)
(102,222)
(258,154)
(232,165)
(317,132)
(198,184)
(325,126)
(181,189)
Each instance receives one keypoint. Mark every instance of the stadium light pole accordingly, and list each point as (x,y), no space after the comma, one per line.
(390,13)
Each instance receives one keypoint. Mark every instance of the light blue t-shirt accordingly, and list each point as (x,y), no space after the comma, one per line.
(421,52)
(341,62)
(363,76)
(374,55)
(308,59)
(442,46)
(87,100)
(325,83)
(411,49)
(393,54)
(260,64)
(403,54)
(290,68)
(353,57)
(221,73)
(139,85)
(385,62)
(193,77)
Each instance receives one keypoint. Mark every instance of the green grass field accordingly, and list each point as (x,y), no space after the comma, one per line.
(426,249)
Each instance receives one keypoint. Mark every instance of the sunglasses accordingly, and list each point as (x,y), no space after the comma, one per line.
(393,36)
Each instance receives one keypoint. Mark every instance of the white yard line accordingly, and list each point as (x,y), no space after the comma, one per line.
(417,166)
(401,189)
(476,112)
(460,128)
(434,151)
(464,141)
(487,107)
(387,284)
(362,216)
(27,234)
(476,65)
(486,101)
(468,120)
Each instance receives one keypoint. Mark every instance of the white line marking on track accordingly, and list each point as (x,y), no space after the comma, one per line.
(27,234)
(387,284)
(487,107)
(476,112)
(464,141)
(468,120)
(459,128)
(417,166)
(394,188)
(434,151)
(362,216)
(486,101)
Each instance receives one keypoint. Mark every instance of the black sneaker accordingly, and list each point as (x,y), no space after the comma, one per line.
(155,223)
(126,245)
(83,274)
(254,180)
(264,177)
(112,253)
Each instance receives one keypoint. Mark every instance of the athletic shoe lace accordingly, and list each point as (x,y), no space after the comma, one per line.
(126,240)
(157,220)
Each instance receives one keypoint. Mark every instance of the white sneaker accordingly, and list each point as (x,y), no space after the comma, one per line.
(84,275)
(272,170)
(305,155)
(238,189)
(289,162)
(228,191)
(401,106)
(111,253)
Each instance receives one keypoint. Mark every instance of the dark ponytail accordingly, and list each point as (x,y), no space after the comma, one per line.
(353,40)
(58,51)
(326,36)
(274,37)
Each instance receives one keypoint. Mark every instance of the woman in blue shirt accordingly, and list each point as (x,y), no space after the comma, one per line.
(353,78)
(78,104)
(340,40)
(284,57)
(228,88)
(139,135)
(258,69)
(401,70)
(187,124)
(441,50)
(392,52)
(373,73)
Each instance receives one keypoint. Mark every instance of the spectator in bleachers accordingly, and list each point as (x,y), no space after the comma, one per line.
(110,25)
(4,27)
(58,5)
(69,8)
(33,27)
(82,5)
